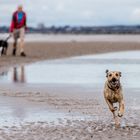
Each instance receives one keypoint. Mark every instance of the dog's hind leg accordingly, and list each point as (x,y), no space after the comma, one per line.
(113,110)
(116,118)
(4,48)
(2,51)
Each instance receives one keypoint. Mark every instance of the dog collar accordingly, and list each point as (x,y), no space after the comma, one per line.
(113,88)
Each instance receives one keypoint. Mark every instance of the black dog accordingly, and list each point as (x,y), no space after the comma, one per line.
(4,45)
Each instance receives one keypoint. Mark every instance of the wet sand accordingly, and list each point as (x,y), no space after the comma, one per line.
(99,126)
(37,51)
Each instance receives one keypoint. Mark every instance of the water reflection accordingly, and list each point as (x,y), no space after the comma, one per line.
(81,71)
(3,73)
(19,74)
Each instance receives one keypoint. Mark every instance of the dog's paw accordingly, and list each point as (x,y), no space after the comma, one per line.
(112,109)
(120,114)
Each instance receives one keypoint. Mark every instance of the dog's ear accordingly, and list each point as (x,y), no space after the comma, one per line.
(106,73)
(120,74)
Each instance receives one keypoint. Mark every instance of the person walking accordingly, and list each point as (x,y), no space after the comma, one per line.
(17,28)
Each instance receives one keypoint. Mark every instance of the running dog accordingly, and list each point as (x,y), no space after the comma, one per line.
(113,94)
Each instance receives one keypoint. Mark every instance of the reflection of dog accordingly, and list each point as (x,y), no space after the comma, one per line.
(113,93)
(4,45)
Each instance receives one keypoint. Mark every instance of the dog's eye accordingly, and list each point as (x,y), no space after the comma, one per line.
(110,75)
(117,74)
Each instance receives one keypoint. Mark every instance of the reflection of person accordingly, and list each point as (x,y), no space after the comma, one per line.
(18,26)
(22,79)
(19,75)
(15,79)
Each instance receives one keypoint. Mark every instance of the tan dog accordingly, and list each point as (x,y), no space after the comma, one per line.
(113,94)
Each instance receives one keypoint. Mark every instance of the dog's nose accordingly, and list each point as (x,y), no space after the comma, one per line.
(114,79)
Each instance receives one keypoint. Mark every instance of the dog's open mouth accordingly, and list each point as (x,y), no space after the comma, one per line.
(114,82)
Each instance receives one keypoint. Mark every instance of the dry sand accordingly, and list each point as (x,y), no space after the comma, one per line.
(71,129)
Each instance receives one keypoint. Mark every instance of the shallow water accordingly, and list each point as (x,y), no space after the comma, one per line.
(86,73)
(82,71)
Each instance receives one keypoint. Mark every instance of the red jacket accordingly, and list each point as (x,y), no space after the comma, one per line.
(15,24)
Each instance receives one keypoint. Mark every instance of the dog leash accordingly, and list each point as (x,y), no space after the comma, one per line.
(8,37)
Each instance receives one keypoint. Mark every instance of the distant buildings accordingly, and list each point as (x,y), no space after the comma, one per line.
(41,28)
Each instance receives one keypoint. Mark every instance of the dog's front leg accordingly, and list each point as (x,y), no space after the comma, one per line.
(112,109)
(110,105)
(121,108)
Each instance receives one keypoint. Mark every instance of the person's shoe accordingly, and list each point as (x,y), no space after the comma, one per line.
(23,54)
(14,52)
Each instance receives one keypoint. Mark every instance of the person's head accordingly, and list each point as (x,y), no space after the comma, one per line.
(20,7)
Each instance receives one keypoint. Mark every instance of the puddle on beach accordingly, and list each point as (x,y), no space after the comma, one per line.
(85,71)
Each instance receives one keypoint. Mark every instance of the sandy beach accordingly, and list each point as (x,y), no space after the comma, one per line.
(43,51)
(94,121)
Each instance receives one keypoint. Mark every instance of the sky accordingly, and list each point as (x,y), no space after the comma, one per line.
(74,12)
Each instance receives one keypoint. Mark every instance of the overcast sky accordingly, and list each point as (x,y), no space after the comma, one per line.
(74,12)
